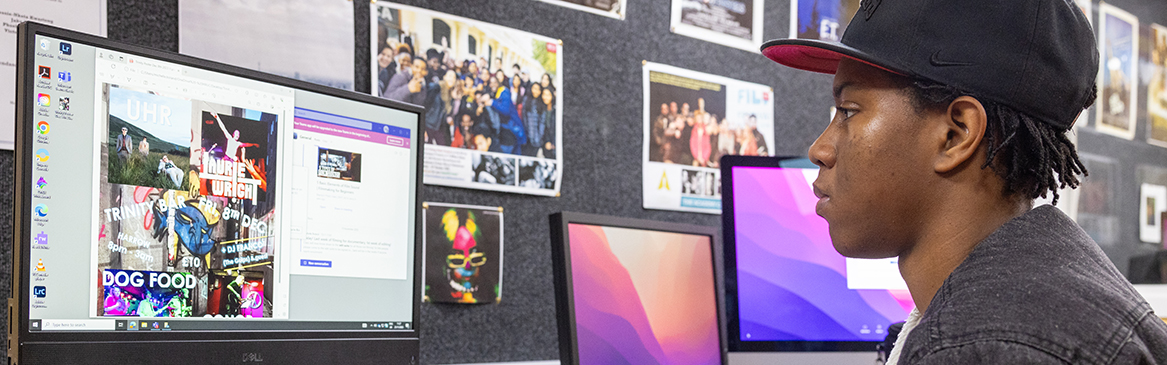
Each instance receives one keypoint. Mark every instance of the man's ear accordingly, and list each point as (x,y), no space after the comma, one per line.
(966,123)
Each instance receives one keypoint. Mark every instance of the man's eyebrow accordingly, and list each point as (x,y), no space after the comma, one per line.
(839,88)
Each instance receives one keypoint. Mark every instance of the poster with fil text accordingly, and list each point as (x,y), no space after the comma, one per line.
(493,97)
(691,119)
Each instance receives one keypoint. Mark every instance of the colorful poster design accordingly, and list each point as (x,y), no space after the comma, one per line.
(608,8)
(1155,74)
(186,207)
(1118,75)
(463,253)
(310,40)
(1152,204)
(824,20)
(489,91)
(691,119)
(643,297)
(734,23)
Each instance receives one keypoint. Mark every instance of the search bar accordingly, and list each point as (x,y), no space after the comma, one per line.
(78,325)
(334,119)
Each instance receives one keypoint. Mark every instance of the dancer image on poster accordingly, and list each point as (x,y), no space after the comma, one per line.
(235,151)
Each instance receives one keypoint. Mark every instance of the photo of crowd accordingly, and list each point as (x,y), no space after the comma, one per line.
(474,100)
(690,127)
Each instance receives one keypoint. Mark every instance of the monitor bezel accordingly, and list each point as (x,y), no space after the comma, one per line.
(25,111)
(561,267)
(731,290)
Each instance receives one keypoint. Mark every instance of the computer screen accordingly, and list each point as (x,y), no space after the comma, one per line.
(165,194)
(637,294)
(789,289)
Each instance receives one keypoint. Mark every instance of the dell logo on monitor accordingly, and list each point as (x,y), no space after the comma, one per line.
(252,357)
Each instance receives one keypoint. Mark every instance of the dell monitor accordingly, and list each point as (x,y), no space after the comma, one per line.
(173,209)
(631,291)
(787,288)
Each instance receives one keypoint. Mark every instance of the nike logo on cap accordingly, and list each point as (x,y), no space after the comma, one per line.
(936,61)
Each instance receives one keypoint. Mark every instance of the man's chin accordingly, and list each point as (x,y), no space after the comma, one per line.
(857,251)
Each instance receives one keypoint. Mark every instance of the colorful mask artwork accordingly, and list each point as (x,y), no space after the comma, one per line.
(463,254)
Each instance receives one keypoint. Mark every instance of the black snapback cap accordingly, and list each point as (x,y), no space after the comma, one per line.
(1037,56)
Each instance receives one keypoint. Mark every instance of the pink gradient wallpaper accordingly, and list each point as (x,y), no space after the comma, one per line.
(643,297)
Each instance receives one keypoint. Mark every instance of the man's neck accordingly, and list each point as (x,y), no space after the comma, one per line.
(948,239)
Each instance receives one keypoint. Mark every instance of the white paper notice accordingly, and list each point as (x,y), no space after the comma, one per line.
(308,40)
(80,15)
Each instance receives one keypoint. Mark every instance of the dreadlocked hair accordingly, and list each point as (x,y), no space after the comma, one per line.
(1033,157)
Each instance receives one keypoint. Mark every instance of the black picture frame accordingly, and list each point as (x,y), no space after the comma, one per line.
(561,265)
(220,346)
(731,288)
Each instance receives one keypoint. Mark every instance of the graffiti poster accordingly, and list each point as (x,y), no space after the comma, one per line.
(493,97)
(186,207)
(463,253)
(691,119)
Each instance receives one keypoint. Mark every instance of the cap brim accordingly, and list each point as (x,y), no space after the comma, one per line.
(818,56)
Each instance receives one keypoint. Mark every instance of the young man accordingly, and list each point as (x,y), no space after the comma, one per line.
(952,118)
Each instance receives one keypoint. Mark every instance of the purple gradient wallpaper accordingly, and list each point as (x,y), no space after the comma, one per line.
(643,297)
(792,284)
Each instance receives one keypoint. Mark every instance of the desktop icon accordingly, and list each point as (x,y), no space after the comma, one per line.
(41,238)
(42,210)
(42,155)
(155,325)
(41,183)
(45,72)
(132,326)
(65,76)
(66,48)
(43,99)
(42,127)
(39,291)
(40,265)
(64,103)
(45,44)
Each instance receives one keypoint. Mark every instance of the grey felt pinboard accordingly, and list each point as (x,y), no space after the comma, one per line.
(602,136)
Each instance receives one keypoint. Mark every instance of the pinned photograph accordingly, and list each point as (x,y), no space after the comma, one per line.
(487,90)
(463,253)
(824,20)
(1152,204)
(1155,49)
(609,8)
(691,119)
(1097,209)
(1118,75)
(734,23)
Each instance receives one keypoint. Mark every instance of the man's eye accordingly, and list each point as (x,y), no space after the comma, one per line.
(847,113)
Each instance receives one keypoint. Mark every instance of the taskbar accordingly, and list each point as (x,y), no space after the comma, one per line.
(198,324)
